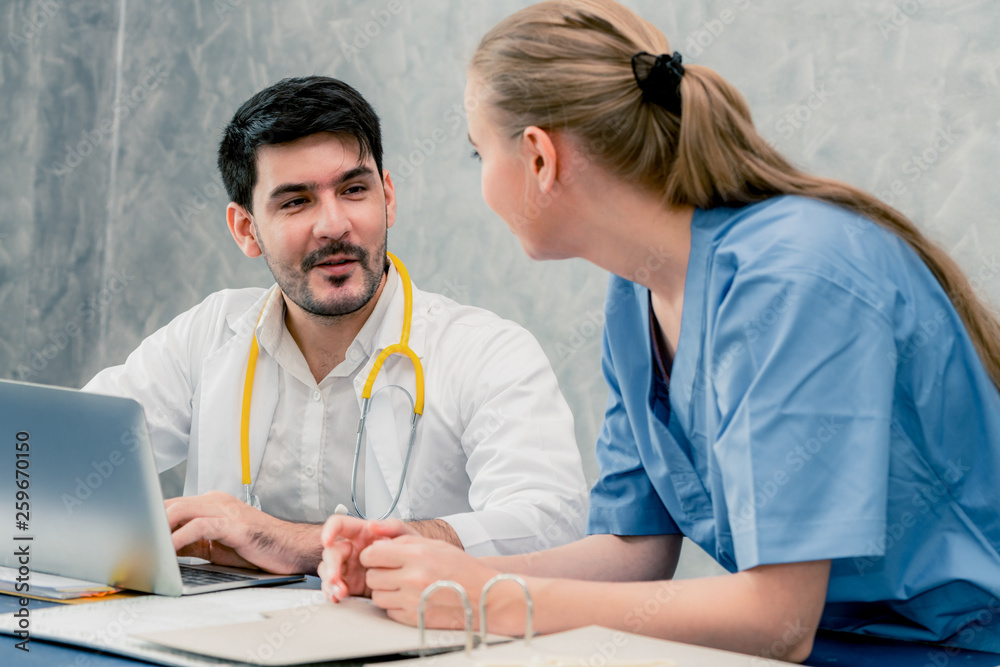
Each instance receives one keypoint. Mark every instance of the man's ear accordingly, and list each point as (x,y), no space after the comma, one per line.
(241,227)
(390,198)
(543,159)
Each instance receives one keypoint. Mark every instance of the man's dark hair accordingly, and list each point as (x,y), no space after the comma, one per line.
(289,110)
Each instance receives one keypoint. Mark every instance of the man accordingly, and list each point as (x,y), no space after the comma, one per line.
(494,465)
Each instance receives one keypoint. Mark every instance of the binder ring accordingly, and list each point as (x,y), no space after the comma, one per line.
(421,624)
(529,616)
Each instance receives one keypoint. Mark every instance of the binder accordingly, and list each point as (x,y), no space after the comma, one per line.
(591,646)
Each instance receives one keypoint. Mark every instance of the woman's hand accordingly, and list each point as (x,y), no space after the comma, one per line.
(400,569)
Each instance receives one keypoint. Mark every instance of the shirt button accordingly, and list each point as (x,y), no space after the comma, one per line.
(317,396)
(310,471)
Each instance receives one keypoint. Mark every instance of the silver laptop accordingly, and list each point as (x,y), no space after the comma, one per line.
(81,493)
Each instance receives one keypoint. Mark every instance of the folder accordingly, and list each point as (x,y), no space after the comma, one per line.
(350,630)
(50,587)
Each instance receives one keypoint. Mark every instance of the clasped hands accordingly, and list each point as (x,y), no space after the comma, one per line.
(392,564)
(388,560)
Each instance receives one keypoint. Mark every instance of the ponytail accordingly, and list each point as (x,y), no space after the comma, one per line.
(566,64)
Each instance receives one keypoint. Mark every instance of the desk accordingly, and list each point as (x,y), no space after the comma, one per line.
(846,649)
(831,648)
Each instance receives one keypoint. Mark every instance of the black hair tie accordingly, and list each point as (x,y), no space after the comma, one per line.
(659,78)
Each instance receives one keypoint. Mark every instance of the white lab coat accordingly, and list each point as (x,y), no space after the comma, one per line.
(495,454)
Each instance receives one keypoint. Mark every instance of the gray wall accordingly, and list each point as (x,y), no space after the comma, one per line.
(112,218)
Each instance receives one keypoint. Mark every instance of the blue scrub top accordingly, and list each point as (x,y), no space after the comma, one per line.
(825,402)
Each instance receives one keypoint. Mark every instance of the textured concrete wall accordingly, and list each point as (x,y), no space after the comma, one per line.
(112,216)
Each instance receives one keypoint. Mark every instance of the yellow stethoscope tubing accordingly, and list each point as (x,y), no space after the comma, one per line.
(245,412)
(403,348)
(245,417)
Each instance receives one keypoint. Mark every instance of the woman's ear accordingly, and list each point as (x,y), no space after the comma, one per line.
(241,227)
(542,157)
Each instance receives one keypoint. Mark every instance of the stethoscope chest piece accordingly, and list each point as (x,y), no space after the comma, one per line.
(251,499)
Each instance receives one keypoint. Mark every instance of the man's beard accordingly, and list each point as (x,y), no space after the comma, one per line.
(295,284)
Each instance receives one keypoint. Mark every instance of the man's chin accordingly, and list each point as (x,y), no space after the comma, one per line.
(344,305)
(331,301)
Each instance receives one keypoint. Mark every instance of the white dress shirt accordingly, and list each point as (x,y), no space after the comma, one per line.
(495,453)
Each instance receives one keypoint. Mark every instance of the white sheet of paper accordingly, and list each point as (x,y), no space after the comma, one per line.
(108,625)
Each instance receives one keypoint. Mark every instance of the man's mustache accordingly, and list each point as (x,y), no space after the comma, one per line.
(334,249)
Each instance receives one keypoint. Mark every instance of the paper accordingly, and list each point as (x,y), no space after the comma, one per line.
(350,630)
(593,646)
(107,625)
(51,587)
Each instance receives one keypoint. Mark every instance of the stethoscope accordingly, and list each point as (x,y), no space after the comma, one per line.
(402,347)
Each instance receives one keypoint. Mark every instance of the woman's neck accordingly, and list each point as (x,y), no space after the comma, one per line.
(636,236)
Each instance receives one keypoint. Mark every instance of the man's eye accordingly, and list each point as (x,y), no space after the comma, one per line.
(354,189)
(292,203)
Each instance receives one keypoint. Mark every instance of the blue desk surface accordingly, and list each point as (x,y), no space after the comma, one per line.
(831,648)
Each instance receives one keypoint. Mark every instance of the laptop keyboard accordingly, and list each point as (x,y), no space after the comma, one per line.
(193,576)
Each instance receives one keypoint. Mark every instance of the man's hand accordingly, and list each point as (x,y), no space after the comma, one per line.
(217,527)
(437,529)
(344,538)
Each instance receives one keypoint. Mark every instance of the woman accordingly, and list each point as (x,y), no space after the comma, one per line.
(799,380)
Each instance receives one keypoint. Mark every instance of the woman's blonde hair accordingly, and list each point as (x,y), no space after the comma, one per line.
(567,65)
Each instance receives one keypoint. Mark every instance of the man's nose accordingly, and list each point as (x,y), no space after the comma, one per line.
(331,221)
